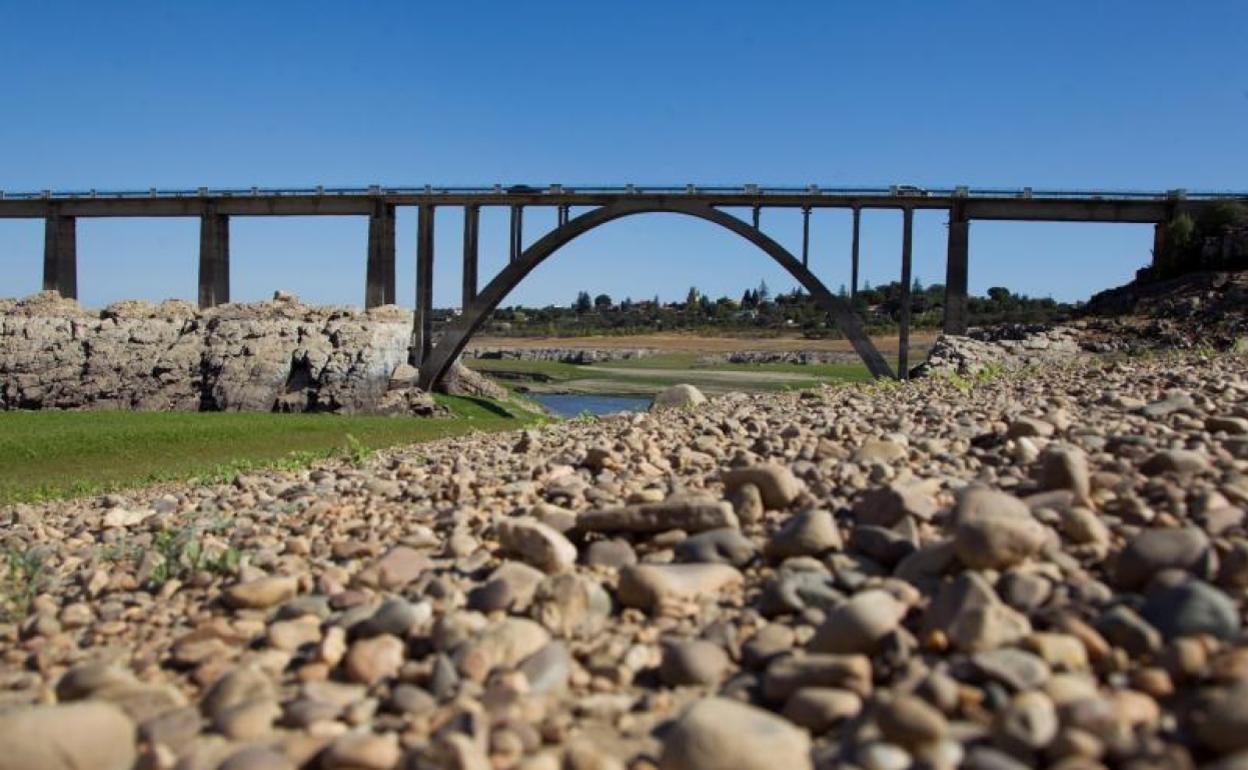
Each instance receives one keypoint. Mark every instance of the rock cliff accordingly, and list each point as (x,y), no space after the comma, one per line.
(268,356)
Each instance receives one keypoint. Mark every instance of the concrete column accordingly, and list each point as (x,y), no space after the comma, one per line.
(517,232)
(60,255)
(957,266)
(422,332)
(758,216)
(379,283)
(1161,257)
(903,328)
(472,229)
(853,276)
(214,259)
(805,236)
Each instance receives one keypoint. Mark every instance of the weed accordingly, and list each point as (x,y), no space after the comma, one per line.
(24,578)
(182,553)
(354,452)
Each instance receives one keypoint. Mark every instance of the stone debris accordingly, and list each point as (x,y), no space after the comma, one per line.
(1043,568)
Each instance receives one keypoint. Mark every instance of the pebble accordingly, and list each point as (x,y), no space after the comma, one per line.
(717,546)
(910,721)
(72,736)
(1028,723)
(859,625)
(776,484)
(887,506)
(677,397)
(370,660)
(721,734)
(819,709)
(808,533)
(1175,461)
(652,587)
(1190,608)
(994,530)
(1154,550)
(537,544)
(262,593)
(612,554)
(690,513)
(879,451)
(697,662)
(361,750)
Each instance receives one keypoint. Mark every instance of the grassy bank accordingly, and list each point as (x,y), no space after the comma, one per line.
(652,373)
(46,455)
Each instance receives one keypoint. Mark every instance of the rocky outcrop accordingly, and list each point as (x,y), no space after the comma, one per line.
(269,356)
(1011,346)
(562,355)
(792,357)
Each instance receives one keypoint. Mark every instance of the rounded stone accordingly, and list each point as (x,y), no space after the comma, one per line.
(819,709)
(373,659)
(697,662)
(72,736)
(808,533)
(995,530)
(911,721)
(721,734)
(677,397)
(1154,550)
(860,624)
(1189,608)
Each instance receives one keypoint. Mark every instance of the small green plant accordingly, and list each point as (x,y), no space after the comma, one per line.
(181,553)
(355,452)
(24,578)
(586,417)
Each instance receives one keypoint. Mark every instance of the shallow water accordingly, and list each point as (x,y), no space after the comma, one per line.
(574,404)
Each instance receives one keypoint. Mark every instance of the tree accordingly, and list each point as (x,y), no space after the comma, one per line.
(603,302)
(747,299)
(763,295)
(583,303)
(999,295)
(691,299)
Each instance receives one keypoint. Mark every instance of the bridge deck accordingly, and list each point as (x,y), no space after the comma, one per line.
(1024,204)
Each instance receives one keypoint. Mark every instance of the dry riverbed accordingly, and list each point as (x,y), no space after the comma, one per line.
(1039,569)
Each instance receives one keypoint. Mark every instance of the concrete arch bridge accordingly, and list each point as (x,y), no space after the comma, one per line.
(215,207)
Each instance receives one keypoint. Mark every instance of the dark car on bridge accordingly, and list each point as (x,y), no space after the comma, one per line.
(908,191)
(522,189)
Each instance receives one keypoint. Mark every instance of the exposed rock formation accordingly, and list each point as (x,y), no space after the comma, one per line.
(269,356)
(1009,347)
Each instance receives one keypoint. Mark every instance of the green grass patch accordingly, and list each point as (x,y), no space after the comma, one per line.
(49,454)
(688,368)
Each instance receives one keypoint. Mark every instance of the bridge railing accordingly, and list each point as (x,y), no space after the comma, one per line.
(744,191)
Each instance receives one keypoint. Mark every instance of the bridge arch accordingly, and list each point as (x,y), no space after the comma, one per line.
(456,336)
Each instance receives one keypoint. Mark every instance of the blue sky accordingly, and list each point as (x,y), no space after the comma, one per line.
(1059,94)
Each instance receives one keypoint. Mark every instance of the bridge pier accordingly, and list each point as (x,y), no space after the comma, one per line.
(903,326)
(517,232)
(805,236)
(379,283)
(422,329)
(853,276)
(472,230)
(214,259)
(60,255)
(957,265)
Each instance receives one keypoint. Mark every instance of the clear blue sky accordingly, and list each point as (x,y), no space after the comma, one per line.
(1135,94)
